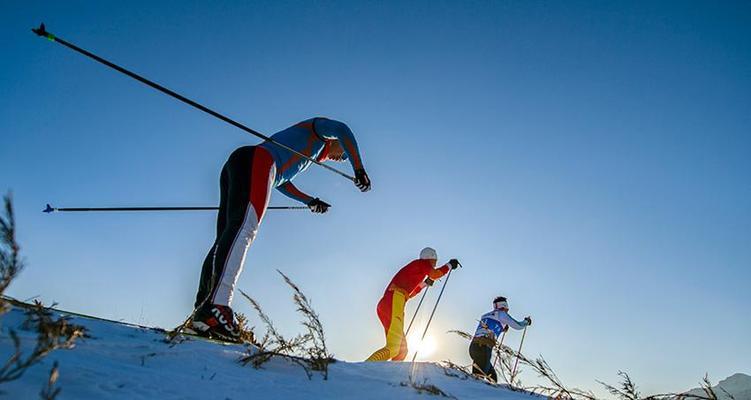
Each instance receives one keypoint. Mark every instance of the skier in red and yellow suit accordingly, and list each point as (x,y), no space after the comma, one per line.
(407,283)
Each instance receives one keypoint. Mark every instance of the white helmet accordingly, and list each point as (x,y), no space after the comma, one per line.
(428,253)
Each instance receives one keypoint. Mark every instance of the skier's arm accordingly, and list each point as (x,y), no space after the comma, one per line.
(418,289)
(291,191)
(331,129)
(508,320)
(437,273)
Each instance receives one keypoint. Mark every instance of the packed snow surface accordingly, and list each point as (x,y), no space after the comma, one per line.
(128,362)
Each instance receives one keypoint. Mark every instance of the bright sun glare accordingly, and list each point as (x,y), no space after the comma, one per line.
(426,348)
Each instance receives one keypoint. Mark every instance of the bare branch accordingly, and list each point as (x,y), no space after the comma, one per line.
(308,350)
(49,391)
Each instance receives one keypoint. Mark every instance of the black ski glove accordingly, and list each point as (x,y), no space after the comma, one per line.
(318,206)
(529,321)
(454,263)
(361,180)
(429,281)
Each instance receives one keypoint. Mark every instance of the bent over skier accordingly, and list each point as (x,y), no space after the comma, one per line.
(245,185)
(407,283)
(488,330)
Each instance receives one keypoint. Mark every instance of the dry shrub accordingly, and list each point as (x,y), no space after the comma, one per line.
(52,333)
(307,349)
(425,387)
(554,388)
(246,332)
(50,392)
(456,371)
(10,260)
(175,336)
(315,347)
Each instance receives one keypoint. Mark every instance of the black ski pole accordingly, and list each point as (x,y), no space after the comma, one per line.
(415,314)
(50,209)
(41,31)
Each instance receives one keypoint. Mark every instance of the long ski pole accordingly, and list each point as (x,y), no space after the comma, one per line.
(432,313)
(51,209)
(41,31)
(516,363)
(416,310)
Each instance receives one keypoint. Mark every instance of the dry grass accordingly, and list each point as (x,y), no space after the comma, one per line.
(425,387)
(554,388)
(315,348)
(307,349)
(52,333)
(246,332)
(50,392)
(456,371)
(10,259)
(174,337)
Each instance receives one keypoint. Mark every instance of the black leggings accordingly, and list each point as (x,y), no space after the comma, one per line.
(244,185)
(481,355)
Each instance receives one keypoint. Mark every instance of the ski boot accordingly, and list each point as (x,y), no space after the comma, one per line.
(216,321)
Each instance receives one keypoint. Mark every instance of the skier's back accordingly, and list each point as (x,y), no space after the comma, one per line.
(246,182)
(406,284)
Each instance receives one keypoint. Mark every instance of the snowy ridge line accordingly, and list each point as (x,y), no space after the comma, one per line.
(24,305)
(21,304)
(126,362)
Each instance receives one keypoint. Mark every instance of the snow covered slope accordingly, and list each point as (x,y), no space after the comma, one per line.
(738,385)
(127,362)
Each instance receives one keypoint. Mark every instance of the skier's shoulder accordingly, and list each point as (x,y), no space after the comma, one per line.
(417,264)
(303,127)
(500,316)
(491,315)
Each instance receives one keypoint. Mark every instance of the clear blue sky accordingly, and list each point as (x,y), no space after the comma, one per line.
(590,161)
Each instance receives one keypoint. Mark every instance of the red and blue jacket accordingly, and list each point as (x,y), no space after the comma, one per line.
(311,137)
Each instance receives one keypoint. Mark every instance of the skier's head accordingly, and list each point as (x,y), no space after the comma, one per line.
(429,254)
(334,151)
(500,303)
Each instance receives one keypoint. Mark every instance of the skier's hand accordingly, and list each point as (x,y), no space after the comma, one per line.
(361,180)
(454,263)
(528,320)
(429,281)
(318,206)
(505,328)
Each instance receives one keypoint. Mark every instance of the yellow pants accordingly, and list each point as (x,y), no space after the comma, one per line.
(391,313)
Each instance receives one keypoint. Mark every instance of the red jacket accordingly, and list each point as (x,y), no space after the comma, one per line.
(409,278)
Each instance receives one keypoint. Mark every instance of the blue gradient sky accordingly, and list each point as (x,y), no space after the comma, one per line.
(590,161)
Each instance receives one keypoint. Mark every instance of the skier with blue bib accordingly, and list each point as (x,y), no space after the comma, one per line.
(246,181)
(491,325)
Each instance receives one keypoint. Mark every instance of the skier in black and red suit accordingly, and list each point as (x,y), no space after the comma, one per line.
(246,181)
